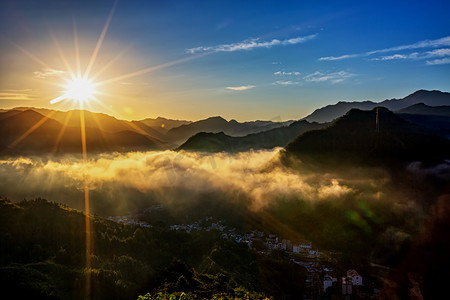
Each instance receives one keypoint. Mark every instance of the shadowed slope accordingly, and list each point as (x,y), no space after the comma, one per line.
(278,137)
(331,112)
(16,137)
(354,138)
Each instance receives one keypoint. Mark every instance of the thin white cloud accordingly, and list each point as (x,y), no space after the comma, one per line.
(395,56)
(438,53)
(442,42)
(340,57)
(334,77)
(440,61)
(23,94)
(414,55)
(133,83)
(445,41)
(48,73)
(240,88)
(282,73)
(444,52)
(286,82)
(250,44)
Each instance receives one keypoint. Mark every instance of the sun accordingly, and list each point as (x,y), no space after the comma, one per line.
(80,90)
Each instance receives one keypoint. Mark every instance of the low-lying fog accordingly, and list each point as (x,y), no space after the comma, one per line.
(354,209)
(118,181)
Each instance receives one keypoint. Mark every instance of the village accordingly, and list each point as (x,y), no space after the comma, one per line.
(322,281)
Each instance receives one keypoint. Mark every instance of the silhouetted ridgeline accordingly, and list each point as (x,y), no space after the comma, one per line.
(36,130)
(25,131)
(218,142)
(354,138)
(28,132)
(331,112)
(218,124)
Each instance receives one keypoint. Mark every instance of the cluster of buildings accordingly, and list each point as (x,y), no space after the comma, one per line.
(128,220)
(321,281)
(253,239)
(208,225)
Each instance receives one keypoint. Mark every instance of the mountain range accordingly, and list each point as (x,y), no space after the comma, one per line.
(331,112)
(163,124)
(37,130)
(277,137)
(356,138)
(436,118)
(218,124)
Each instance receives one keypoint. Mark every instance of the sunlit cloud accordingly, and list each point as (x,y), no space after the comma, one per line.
(240,88)
(151,171)
(442,42)
(333,190)
(250,45)
(48,72)
(334,77)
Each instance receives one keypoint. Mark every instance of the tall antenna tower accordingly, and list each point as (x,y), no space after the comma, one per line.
(377,123)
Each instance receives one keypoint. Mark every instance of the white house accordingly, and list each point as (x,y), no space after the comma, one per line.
(327,282)
(355,277)
(346,286)
(305,245)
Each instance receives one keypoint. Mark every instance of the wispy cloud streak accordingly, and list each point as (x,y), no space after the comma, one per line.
(286,82)
(317,77)
(240,88)
(23,94)
(282,73)
(442,42)
(437,53)
(440,61)
(334,77)
(250,45)
(48,72)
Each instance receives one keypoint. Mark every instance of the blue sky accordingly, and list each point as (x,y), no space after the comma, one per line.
(240,59)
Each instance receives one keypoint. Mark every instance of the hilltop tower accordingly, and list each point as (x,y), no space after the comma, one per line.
(377,123)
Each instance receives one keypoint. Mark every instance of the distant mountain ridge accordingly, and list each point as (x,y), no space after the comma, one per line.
(354,138)
(218,124)
(331,112)
(172,132)
(46,127)
(423,109)
(436,118)
(220,142)
(163,124)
